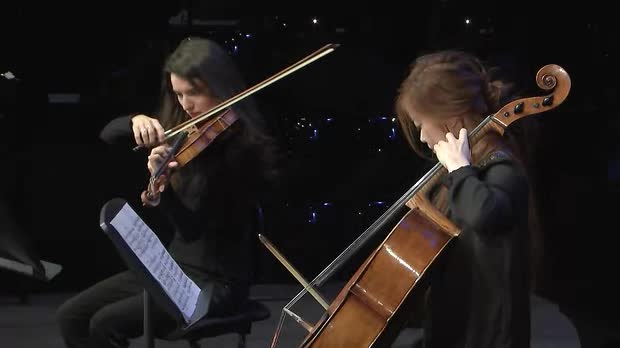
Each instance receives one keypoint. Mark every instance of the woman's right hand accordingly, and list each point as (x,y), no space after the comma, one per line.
(147,131)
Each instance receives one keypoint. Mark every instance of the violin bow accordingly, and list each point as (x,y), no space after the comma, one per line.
(321,52)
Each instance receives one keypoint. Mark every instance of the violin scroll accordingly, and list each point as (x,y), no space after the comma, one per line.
(150,196)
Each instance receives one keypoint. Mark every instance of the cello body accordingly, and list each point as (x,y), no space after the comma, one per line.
(371,308)
(367,314)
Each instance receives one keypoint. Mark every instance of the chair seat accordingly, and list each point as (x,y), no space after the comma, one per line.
(240,322)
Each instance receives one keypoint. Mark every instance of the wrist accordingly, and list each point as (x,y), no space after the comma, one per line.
(135,115)
(456,165)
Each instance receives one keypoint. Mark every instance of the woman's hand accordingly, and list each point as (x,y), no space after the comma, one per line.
(147,131)
(150,197)
(157,157)
(453,153)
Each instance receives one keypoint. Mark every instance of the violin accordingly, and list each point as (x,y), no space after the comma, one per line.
(372,307)
(193,136)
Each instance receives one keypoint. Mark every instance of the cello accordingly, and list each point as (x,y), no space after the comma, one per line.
(370,309)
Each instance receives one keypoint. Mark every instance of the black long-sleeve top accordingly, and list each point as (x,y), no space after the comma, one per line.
(479,295)
(214,214)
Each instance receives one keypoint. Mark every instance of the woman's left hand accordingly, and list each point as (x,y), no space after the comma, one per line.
(453,153)
(157,157)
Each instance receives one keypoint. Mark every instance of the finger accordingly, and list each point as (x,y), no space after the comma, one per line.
(160,183)
(160,131)
(152,133)
(144,134)
(450,137)
(463,136)
(155,160)
(157,157)
(173,164)
(136,135)
(160,150)
(463,133)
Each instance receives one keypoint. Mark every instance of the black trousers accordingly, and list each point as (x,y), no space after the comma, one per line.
(111,312)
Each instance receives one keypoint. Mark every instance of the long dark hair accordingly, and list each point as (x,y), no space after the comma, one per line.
(199,59)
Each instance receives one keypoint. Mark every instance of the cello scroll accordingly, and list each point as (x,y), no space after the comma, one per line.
(550,77)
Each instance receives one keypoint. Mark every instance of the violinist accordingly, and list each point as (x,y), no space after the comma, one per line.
(210,202)
(479,291)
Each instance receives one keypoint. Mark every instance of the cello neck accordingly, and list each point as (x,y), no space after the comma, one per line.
(426,182)
(551,77)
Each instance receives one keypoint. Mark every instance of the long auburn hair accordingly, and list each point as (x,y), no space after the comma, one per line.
(452,83)
(200,59)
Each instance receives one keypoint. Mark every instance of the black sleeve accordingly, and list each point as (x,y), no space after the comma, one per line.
(117,131)
(185,220)
(484,199)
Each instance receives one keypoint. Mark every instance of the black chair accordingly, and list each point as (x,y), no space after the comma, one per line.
(239,322)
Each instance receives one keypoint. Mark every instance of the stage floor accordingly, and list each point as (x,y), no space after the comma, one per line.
(33,325)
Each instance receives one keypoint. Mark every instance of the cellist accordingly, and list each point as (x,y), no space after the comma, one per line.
(479,295)
(210,202)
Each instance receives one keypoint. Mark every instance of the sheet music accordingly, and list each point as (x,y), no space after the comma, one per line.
(152,253)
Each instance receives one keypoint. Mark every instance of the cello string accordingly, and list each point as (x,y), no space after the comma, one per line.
(374,228)
(544,81)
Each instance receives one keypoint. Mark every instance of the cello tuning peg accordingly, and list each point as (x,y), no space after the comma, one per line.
(519,108)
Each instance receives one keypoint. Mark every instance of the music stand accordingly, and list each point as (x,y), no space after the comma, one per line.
(17,253)
(18,259)
(51,269)
(151,263)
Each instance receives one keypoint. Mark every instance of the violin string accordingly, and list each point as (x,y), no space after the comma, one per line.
(302,63)
(285,72)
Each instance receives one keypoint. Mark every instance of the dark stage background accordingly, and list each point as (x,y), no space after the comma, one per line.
(346,161)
